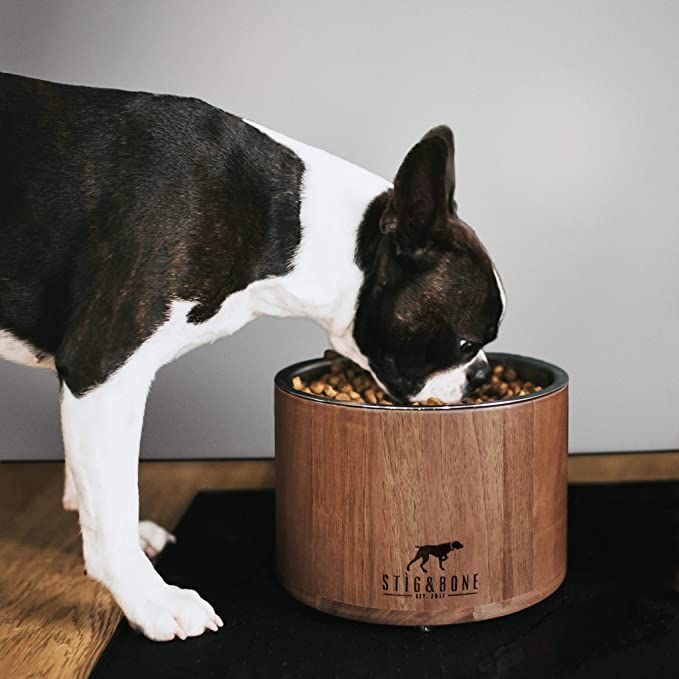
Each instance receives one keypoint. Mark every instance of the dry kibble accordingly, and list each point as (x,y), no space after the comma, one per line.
(317,387)
(370,396)
(344,381)
(509,375)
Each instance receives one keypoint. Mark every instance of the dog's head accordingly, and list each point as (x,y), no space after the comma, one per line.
(431,297)
(455,544)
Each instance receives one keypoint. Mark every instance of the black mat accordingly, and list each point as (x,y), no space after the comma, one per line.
(615,616)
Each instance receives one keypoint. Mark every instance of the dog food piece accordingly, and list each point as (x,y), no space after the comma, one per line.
(370,395)
(317,387)
(346,382)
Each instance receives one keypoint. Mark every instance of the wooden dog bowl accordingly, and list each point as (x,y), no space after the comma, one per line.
(422,515)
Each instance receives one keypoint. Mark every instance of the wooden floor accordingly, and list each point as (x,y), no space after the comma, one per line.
(54,622)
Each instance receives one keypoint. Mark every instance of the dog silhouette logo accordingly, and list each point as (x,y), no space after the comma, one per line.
(439,551)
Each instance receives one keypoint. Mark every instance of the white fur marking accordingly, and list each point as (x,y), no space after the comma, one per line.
(18,351)
(335,194)
(503,297)
(448,385)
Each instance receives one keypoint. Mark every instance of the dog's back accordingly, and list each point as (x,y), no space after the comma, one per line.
(114,203)
(52,137)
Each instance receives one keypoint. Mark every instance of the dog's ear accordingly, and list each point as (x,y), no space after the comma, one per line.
(422,198)
(445,133)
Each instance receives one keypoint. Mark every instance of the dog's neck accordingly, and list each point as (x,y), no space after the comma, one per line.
(325,280)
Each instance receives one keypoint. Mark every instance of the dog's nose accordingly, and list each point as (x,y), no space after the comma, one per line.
(479,370)
(479,374)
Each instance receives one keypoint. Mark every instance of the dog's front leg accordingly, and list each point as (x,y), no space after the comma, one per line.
(152,537)
(102,430)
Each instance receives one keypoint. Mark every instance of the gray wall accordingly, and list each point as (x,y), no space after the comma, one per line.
(568,139)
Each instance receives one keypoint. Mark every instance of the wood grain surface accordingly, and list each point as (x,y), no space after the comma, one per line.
(54,622)
(358,490)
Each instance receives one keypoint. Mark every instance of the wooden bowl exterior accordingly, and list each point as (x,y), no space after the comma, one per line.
(359,491)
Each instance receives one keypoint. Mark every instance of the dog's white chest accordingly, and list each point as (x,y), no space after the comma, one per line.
(13,349)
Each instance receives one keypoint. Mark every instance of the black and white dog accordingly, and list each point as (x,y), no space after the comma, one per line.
(135,227)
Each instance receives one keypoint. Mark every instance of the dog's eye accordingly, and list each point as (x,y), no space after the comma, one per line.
(468,348)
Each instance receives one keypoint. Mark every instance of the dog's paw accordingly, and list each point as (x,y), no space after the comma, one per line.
(69,502)
(153,538)
(69,498)
(173,612)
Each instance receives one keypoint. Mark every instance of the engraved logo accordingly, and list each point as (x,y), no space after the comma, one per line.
(439,551)
(430,586)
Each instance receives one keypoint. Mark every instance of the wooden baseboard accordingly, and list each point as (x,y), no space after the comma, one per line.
(623,467)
